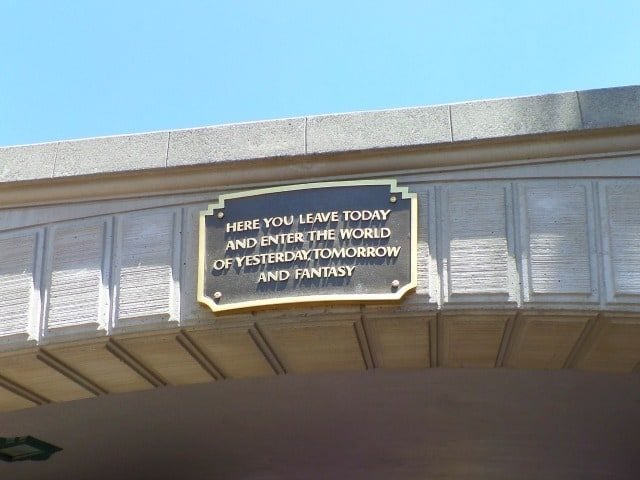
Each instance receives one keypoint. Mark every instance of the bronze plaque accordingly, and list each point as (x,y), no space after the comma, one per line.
(315,242)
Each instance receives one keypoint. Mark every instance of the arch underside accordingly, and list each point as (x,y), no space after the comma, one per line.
(337,342)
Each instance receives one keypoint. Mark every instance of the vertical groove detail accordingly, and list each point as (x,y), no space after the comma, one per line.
(363,342)
(61,367)
(257,335)
(199,356)
(23,392)
(153,378)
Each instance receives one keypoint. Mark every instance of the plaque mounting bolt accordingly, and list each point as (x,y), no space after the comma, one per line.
(220,215)
(395,284)
(217,295)
(393,199)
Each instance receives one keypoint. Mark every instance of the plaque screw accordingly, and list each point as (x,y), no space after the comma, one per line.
(395,284)
(220,214)
(393,199)
(217,295)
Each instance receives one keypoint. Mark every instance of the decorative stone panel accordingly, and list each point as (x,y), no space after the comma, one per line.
(558,246)
(77,276)
(478,251)
(146,267)
(620,206)
(20,284)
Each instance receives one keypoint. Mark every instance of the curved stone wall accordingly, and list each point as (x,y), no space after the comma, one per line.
(532,262)
(530,243)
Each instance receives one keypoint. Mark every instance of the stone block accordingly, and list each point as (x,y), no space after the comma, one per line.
(377,130)
(516,116)
(28,162)
(610,107)
(243,141)
(112,154)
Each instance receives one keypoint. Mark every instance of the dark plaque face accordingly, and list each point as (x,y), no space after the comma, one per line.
(320,242)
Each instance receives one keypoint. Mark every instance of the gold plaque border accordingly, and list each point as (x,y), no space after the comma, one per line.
(353,298)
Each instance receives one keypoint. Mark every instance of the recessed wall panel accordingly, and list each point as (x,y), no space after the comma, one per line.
(19,299)
(147,268)
(77,274)
(621,236)
(476,243)
(558,246)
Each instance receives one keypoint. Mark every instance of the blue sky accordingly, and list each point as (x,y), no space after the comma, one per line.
(74,69)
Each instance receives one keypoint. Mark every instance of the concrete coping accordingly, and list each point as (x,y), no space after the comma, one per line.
(400,129)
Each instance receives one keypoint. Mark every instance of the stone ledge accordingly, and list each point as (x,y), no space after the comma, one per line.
(610,107)
(243,141)
(516,116)
(30,162)
(300,138)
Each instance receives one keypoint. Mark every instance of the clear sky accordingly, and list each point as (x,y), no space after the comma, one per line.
(74,69)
